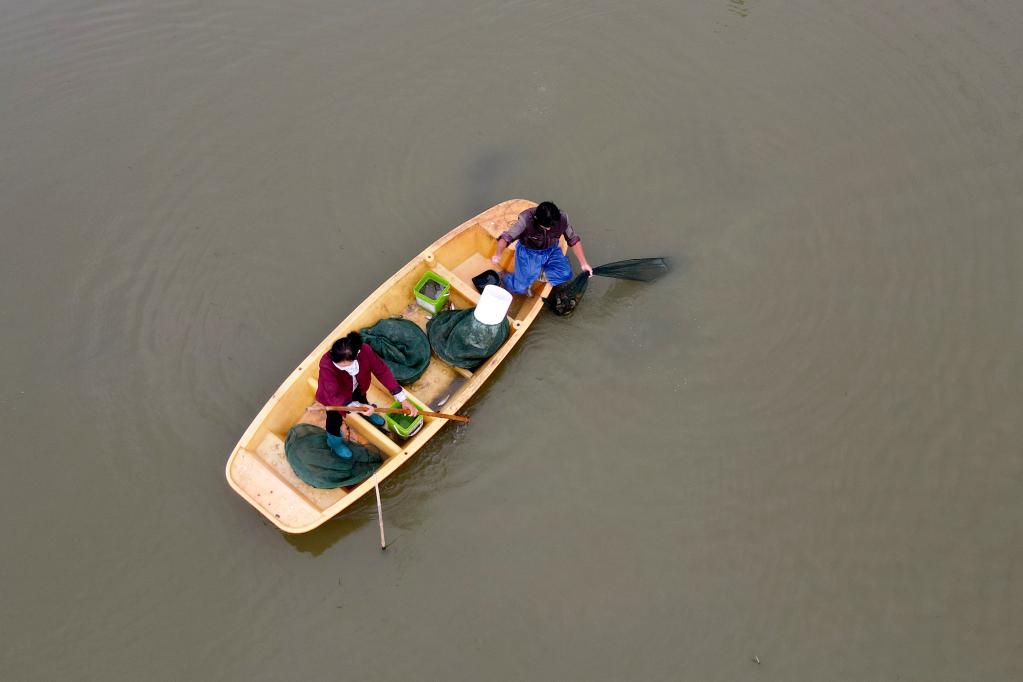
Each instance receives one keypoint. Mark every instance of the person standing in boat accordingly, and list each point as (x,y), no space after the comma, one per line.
(345,373)
(539,231)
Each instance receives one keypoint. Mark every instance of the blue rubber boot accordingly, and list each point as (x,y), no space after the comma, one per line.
(337,444)
(376,420)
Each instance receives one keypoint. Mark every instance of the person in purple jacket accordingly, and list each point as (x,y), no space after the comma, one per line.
(346,371)
(539,231)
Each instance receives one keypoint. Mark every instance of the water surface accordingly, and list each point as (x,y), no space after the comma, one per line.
(802,446)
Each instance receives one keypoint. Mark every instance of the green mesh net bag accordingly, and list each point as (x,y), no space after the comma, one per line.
(565,297)
(461,340)
(315,462)
(402,345)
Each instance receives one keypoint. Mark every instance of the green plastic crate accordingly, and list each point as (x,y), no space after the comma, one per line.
(402,424)
(434,303)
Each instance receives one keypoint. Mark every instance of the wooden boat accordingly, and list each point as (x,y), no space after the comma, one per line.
(258,469)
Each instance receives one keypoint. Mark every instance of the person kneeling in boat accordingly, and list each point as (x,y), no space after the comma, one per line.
(539,231)
(345,373)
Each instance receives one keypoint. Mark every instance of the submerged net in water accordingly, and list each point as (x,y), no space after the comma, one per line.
(316,463)
(402,345)
(565,297)
(459,339)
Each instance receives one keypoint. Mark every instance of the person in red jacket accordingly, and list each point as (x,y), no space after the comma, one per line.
(345,373)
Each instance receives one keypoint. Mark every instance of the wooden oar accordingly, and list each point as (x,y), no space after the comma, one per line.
(387,410)
(380,516)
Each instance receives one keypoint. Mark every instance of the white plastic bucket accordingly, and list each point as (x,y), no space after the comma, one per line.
(493,305)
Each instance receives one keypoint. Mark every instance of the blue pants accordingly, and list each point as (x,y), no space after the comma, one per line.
(529,262)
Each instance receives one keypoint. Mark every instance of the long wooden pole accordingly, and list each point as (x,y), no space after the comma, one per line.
(387,410)
(380,516)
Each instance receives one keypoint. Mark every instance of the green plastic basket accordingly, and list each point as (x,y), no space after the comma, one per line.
(402,424)
(442,289)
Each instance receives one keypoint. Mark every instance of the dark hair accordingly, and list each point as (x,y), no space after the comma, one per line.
(547,214)
(345,349)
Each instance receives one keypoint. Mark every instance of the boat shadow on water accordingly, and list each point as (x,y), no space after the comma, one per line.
(487,171)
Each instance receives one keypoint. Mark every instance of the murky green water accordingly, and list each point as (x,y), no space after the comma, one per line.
(803,446)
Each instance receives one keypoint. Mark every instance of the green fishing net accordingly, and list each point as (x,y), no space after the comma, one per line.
(461,340)
(564,298)
(402,345)
(315,463)
(638,269)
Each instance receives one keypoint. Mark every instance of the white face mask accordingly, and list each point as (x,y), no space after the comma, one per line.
(352,370)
